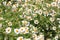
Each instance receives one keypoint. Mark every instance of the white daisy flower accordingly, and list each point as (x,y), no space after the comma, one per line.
(53,4)
(0,25)
(22,29)
(56,37)
(58,18)
(36,21)
(52,19)
(4,3)
(16,31)
(8,30)
(34,35)
(40,37)
(20,38)
(54,28)
(40,12)
(26,30)
(1,18)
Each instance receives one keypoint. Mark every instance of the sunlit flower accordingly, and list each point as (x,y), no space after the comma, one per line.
(34,35)
(1,18)
(54,28)
(16,31)
(0,25)
(4,3)
(53,4)
(26,30)
(56,37)
(22,29)
(52,19)
(36,21)
(20,38)
(8,30)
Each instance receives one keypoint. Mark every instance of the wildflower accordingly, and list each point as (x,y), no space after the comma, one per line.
(56,37)
(53,4)
(41,37)
(34,35)
(0,25)
(1,18)
(8,30)
(36,21)
(26,30)
(22,29)
(16,31)
(54,28)
(52,19)
(20,38)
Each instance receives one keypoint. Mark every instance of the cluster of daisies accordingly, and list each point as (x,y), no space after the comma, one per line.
(30,19)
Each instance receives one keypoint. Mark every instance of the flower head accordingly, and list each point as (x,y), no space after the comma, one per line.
(8,30)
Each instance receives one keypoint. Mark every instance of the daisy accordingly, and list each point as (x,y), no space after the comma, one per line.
(53,4)
(56,37)
(34,35)
(4,3)
(41,37)
(20,38)
(8,30)
(36,21)
(52,19)
(1,18)
(58,18)
(26,30)
(22,29)
(0,25)
(16,31)
(54,28)
(58,5)
(40,12)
